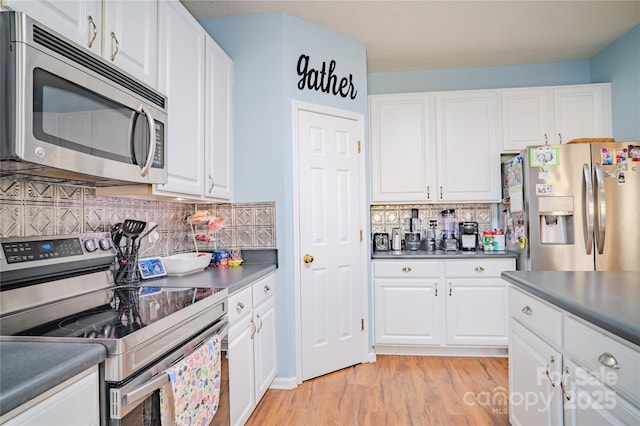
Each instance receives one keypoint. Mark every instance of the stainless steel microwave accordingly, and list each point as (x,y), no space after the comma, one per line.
(68,115)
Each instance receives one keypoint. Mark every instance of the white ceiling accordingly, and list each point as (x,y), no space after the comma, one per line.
(429,34)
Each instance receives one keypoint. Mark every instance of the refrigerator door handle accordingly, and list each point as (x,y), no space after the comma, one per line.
(587,196)
(601,210)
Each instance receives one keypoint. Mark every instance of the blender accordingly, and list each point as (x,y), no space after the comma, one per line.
(448,241)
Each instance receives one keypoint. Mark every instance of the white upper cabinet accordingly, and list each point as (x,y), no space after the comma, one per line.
(181,78)
(467,142)
(78,20)
(218,123)
(130,37)
(582,111)
(402,148)
(122,32)
(555,115)
(197,76)
(526,118)
(435,147)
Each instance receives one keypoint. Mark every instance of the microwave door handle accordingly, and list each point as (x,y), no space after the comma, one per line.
(152,142)
(587,195)
(601,210)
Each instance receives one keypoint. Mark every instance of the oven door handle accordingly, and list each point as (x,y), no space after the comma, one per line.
(161,379)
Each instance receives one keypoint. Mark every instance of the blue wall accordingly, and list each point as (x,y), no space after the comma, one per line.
(265,49)
(556,73)
(619,64)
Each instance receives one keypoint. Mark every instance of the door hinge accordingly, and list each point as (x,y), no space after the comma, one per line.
(361,235)
(358,147)
(362,324)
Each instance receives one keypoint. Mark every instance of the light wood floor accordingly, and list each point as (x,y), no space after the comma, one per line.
(396,390)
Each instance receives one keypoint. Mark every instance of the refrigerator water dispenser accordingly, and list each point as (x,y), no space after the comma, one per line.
(556,220)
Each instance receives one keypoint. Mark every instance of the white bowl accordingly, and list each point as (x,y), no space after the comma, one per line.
(186,263)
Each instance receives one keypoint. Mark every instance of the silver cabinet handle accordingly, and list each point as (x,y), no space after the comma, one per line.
(608,360)
(94,32)
(114,52)
(259,326)
(441,192)
(527,310)
(254,329)
(546,139)
(450,289)
(266,289)
(211,183)
(436,287)
(239,307)
(566,373)
(479,269)
(428,193)
(552,360)
(406,269)
(560,138)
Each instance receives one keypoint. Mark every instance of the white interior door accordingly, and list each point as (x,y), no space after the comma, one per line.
(332,278)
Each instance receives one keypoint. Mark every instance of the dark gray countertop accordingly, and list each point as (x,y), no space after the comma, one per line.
(610,300)
(441,254)
(30,369)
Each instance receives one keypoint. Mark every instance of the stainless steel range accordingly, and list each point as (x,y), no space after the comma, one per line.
(62,289)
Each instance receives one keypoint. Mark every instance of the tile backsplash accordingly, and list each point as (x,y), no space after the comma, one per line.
(35,208)
(386,217)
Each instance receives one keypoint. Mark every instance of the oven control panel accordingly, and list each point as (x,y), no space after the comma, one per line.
(54,249)
(27,251)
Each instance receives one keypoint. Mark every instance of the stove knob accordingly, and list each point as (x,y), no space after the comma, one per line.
(105,244)
(90,245)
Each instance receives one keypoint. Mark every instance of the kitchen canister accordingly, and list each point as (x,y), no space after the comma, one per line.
(221,258)
(488,240)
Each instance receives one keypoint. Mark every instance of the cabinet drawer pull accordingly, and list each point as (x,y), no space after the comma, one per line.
(406,269)
(608,360)
(479,269)
(552,360)
(239,307)
(567,395)
(527,310)
(266,289)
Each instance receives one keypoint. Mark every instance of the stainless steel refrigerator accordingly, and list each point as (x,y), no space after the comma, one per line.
(575,207)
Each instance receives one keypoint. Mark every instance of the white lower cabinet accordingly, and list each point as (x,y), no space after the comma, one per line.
(453,303)
(74,402)
(535,368)
(564,370)
(251,351)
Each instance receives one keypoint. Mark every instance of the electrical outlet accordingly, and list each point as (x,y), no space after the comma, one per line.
(153,235)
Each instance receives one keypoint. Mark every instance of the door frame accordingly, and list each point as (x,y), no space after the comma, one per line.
(297,106)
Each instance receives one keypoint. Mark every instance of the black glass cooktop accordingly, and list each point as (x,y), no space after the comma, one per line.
(125,310)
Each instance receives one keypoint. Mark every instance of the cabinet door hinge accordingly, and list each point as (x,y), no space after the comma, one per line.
(362,324)
(358,147)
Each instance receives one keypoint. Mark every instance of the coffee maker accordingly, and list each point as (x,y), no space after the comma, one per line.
(468,235)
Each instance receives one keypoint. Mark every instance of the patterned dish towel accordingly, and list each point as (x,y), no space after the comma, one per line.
(192,396)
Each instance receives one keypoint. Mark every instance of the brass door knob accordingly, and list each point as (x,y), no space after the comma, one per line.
(307,258)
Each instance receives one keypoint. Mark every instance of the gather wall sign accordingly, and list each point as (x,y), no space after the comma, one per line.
(324,79)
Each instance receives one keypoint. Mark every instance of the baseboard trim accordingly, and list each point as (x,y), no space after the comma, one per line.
(441,351)
(284,383)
